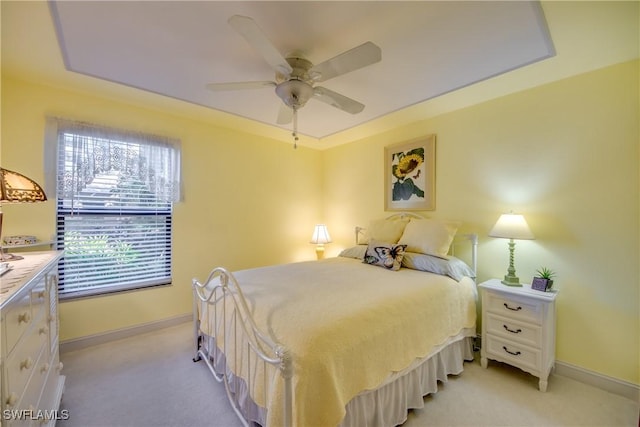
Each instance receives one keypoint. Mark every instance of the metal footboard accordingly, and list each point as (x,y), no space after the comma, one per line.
(231,317)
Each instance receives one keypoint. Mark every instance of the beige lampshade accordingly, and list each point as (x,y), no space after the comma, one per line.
(320,235)
(511,226)
(17,188)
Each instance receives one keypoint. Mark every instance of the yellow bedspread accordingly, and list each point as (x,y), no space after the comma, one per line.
(348,326)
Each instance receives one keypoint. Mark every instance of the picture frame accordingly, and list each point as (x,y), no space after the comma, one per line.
(540,284)
(409,175)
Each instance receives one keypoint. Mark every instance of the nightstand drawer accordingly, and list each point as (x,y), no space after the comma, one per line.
(510,329)
(525,310)
(515,354)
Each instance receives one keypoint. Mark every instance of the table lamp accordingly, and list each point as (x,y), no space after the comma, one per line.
(320,237)
(511,226)
(17,188)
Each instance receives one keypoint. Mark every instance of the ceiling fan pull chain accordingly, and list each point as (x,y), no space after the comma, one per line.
(295,127)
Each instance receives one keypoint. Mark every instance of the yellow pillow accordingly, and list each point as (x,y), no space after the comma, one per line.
(385,230)
(429,236)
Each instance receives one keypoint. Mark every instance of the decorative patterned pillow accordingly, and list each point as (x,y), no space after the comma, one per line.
(387,255)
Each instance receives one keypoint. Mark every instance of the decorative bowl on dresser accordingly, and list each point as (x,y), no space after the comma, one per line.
(519,328)
(32,383)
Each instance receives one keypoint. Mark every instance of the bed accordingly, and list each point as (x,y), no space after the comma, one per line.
(354,340)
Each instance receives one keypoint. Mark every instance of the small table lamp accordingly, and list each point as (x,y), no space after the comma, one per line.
(17,188)
(320,237)
(511,226)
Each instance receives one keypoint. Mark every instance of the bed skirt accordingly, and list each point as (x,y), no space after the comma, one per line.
(388,405)
(385,406)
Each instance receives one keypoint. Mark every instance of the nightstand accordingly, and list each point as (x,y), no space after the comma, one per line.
(519,328)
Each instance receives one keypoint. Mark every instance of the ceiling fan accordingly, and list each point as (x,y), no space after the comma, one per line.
(296,76)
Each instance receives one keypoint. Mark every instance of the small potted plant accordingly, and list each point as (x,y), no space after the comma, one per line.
(543,281)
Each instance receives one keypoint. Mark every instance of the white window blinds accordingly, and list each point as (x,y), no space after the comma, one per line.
(114,211)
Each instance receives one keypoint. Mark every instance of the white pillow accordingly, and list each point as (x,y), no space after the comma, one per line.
(429,236)
(385,230)
(452,267)
(357,251)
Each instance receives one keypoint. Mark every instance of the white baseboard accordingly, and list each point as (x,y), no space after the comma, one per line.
(612,385)
(603,382)
(104,337)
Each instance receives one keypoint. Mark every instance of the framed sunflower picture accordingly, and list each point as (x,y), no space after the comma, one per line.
(409,177)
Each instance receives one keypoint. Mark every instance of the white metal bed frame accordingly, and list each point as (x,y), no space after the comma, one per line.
(260,345)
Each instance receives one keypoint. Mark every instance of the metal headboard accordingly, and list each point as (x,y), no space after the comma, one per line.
(470,238)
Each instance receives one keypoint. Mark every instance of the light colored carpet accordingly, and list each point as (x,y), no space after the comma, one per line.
(150,380)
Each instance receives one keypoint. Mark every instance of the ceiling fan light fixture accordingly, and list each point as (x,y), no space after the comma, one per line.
(294,93)
(296,76)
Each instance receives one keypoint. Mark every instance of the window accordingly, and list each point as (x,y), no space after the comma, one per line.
(114,208)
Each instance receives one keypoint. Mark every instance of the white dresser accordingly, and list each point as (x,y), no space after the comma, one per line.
(32,383)
(519,328)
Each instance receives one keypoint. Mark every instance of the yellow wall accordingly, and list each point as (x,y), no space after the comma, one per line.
(248,201)
(566,156)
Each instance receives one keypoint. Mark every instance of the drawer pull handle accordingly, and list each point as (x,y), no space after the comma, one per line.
(12,399)
(24,317)
(513,331)
(43,330)
(26,364)
(518,308)
(44,368)
(517,353)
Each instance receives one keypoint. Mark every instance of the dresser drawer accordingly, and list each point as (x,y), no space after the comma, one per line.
(39,300)
(23,361)
(52,389)
(524,333)
(52,311)
(33,390)
(17,320)
(513,353)
(525,310)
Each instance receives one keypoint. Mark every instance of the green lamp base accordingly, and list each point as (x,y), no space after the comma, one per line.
(511,281)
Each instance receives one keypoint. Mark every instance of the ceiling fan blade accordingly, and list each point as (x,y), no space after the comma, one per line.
(218,87)
(248,29)
(336,100)
(366,54)
(285,114)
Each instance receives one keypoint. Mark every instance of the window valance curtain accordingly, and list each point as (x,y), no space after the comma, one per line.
(133,169)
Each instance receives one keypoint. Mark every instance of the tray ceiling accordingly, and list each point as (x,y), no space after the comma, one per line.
(177,48)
